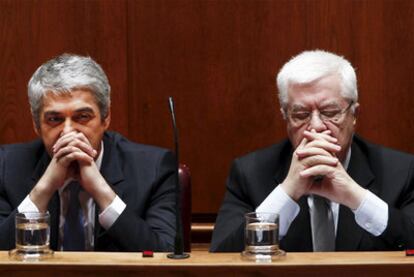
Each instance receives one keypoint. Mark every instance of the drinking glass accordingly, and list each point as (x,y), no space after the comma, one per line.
(32,236)
(262,237)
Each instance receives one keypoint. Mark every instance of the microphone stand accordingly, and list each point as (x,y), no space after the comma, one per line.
(178,242)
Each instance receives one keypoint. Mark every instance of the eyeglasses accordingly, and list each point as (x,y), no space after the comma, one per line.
(329,115)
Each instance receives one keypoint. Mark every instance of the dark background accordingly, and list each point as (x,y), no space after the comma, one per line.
(218,59)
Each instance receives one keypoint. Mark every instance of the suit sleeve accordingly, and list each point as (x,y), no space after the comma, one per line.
(6,212)
(399,233)
(156,229)
(228,234)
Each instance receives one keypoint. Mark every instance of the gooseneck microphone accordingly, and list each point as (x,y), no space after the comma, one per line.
(178,242)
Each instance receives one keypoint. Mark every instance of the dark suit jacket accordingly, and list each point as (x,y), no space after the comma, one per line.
(385,172)
(142,176)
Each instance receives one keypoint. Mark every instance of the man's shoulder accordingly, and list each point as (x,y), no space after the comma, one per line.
(27,148)
(379,153)
(268,151)
(270,156)
(134,160)
(124,145)
(21,158)
(373,149)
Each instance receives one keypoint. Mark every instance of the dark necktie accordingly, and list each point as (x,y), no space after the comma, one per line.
(323,228)
(73,229)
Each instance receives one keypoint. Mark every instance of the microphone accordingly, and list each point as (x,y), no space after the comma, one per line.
(178,242)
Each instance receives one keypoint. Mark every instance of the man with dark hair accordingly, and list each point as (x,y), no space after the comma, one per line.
(118,194)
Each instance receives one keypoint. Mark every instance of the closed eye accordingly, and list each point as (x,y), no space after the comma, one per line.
(83,117)
(330,113)
(300,116)
(53,120)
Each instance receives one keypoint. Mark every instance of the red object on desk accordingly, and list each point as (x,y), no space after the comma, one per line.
(147,254)
(409,252)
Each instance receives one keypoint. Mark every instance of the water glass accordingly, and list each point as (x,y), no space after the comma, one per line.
(262,236)
(32,236)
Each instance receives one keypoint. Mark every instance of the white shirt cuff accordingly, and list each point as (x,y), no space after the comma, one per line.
(372,214)
(281,203)
(27,206)
(111,213)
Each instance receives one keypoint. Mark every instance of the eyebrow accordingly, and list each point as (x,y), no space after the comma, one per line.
(296,107)
(86,109)
(299,107)
(330,103)
(50,113)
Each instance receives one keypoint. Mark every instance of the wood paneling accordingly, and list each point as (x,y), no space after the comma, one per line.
(32,32)
(219,60)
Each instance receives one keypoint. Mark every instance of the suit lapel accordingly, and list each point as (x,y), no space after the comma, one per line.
(111,165)
(349,233)
(40,167)
(282,168)
(359,168)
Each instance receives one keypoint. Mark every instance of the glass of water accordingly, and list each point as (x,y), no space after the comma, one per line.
(262,237)
(32,236)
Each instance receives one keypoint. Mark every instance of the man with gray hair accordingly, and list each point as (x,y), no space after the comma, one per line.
(333,190)
(102,191)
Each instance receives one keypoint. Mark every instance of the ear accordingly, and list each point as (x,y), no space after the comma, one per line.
(356,111)
(37,131)
(282,111)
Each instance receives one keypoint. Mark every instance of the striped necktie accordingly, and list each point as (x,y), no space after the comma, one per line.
(323,228)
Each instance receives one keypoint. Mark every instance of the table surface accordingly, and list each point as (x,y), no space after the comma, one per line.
(202,263)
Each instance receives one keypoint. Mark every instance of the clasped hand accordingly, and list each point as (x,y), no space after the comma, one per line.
(72,157)
(315,169)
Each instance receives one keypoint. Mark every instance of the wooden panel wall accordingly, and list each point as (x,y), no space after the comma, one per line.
(32,32)
(218,58)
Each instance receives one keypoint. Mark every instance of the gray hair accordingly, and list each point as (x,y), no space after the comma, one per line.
(310,66)
(65,73)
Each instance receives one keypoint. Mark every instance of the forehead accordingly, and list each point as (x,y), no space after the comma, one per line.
(323,91)
(68,101)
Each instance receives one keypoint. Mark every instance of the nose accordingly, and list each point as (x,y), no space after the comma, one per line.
(68,126)
(316,123)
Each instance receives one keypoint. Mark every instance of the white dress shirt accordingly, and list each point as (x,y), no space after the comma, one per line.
(371,215)
(106,218)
